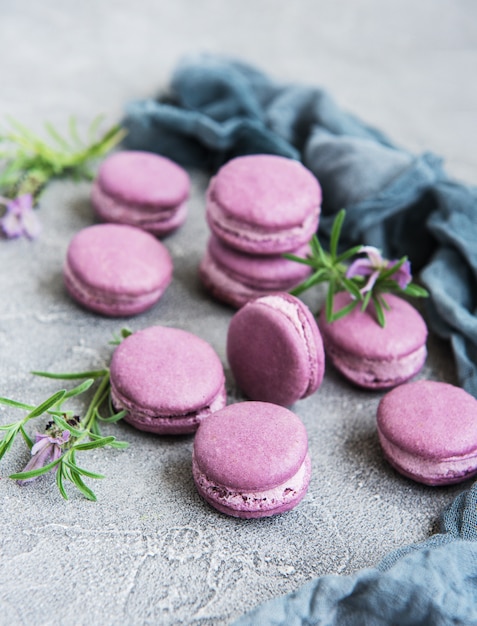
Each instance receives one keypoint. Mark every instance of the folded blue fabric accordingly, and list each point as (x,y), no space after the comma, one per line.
(427,584)
(402,203)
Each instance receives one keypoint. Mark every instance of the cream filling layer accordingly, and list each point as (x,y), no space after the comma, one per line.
(90,295)
(151,417)
(429,471)
(374,371)
(136,214)
(255,233)
(266,500)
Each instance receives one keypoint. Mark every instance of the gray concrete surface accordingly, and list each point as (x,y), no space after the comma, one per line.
(150,551)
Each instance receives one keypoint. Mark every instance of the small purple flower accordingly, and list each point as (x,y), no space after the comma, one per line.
(45,450)
(20,218)
(373,265)
(403,275)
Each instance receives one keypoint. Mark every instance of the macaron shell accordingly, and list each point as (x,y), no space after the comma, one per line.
(112,305)
(428,432)
(156,220)
(255,240)
(251,446)
(263,204)
(267,191)
(275,350)
(236,278)
(165,424)
(110,265)
(166,372)
(224,288)
(143,178)
(432,472)
(259,272)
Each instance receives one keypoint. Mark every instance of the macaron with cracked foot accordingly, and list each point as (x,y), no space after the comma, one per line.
(250,460)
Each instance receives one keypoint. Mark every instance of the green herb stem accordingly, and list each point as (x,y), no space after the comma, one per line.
(367,283)
(29,162)
(67,433)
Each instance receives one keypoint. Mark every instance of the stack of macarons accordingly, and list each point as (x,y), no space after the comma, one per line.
(258,207)
(141,189)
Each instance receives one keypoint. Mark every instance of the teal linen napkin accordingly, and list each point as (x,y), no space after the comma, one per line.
(429,584)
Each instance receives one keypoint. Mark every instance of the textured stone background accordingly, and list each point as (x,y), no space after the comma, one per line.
(150,551)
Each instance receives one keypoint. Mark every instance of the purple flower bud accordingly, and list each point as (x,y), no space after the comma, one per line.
(20,218)
(45,450)
(370,266)
(373,265)
(375,257)
(403,275)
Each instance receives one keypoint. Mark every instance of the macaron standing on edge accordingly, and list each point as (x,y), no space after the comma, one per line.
(141,189)
(369,355)
(275,350)
(428,432)
(116,270)
(250,460)
(167,379)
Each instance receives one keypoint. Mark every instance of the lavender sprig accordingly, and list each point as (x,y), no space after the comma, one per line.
(366,278)
(28,163)
(66,434)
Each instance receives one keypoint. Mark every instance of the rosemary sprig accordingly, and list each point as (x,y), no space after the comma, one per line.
(366,279)
(29,162)
(66,434)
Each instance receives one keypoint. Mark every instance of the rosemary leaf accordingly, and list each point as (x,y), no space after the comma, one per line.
(335,233)
(96,443)
(44,406)
(36,472)
(72,375)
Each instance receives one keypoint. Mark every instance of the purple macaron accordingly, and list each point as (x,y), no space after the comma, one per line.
(141,189)
(116,270)
(251,460)
(235,277)
(167,380)
(428,432)
(263,204)
(275,350)
(369,355)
